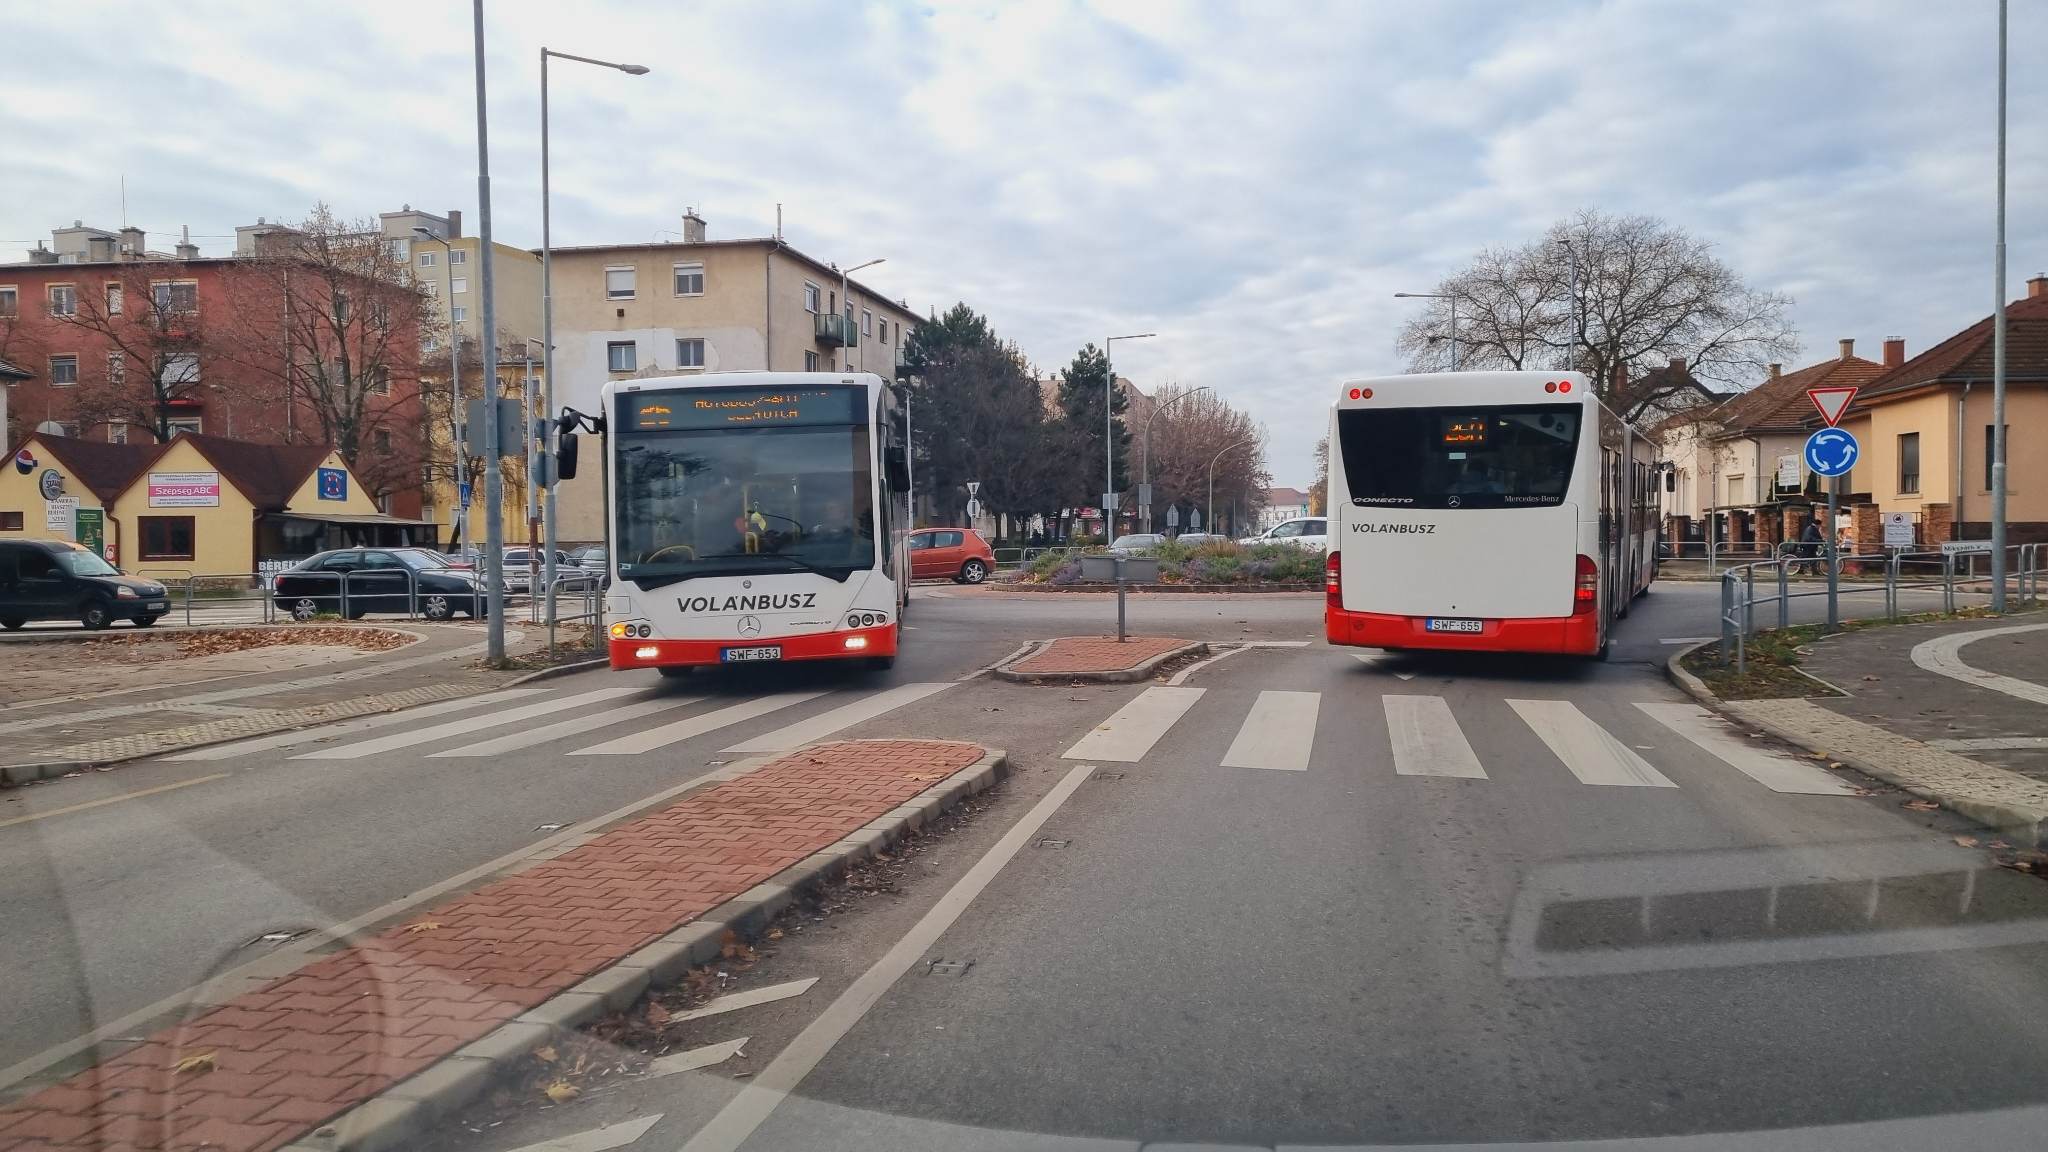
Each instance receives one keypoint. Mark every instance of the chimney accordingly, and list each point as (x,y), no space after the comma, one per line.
(2038,286)
(1894,351)
(1848,349)
(1678,365)
(1776,370)
(693,227)
(454,223)
(1621,378)
(187,250)
(133,242)
(99,248)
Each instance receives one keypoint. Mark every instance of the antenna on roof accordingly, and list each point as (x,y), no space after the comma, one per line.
(778,222)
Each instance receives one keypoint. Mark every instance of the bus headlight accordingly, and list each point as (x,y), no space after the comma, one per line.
(856,643)
(646,652)
(853,620)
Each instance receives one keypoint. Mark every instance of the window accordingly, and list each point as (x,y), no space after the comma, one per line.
(113,299)
(381,440)
(176,296)
(182,424)
(117,432)
(689,353)
(618,284)
(1736,483)
(1991,454)
(813,297)
(426,258)
(394,249)
(458,314)
(810,361)
(867,322)
(181,368)
(459,284)
(689,279)
(117,368)
(882,331)
(430,343)
(380,381)
(945,539)
(458,256)
(166,537)
(1909,462)
(63,300)
(10,521)
(622,356)
(431,287)
(10,301)
(63,370)
(1503,456)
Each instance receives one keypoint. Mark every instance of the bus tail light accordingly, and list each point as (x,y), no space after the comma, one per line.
(1586,589)
(1333,581)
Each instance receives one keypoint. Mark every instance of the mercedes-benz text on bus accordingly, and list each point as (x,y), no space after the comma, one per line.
(1485,511)
(755,517)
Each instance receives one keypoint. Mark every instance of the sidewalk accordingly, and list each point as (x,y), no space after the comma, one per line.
(1102,658)
(413,1022)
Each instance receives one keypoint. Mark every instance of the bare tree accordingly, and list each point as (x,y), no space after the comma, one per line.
(1188,434)
(146,316)
(1319,488)
(1648,293)
(22,347)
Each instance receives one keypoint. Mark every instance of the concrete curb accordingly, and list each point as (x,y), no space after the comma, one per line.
(1143,671)
(401,1115)
(539,674)
(1158,589)
(2019,821)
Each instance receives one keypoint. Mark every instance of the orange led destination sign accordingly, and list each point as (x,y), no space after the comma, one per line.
(741,408)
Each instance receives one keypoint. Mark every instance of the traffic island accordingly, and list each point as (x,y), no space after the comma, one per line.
(362,1049)
(1103,659)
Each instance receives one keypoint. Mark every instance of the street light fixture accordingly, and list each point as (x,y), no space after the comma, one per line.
(1454,316)
(1108,437)
(1211,521)
(1145,450)
(547,310)
(461,519)
(846,302)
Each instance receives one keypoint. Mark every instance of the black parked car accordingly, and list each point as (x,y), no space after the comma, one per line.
(353,582)
(59,580)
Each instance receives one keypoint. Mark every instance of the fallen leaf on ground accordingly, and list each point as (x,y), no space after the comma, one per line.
(561,1091)
(921,777)
(775,933)
(1816,755)
(657,1015)
(1923,805)
(1967,841)
(546,1054)
(418,926)
(194,1064)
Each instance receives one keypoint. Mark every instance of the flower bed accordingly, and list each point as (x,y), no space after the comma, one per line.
(1215,565)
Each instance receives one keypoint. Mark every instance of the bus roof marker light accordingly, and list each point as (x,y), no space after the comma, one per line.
(1354,393)
(1550,386)
(1564,385)
(1365,393)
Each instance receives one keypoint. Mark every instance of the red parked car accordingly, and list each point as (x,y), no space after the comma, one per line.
(958,554)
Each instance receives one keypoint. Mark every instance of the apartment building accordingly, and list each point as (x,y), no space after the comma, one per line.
(704,305)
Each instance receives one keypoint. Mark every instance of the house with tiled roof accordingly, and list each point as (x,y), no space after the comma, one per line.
(1924,427)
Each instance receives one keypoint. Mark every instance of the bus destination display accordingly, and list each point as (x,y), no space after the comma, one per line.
(1465,431)
(739,408)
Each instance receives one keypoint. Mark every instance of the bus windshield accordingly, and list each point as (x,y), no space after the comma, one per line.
(1508,456)
(735,501)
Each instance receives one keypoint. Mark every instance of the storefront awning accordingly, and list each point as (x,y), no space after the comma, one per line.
(355,518)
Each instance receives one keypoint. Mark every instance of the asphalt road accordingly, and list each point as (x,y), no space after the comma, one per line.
(1339,953)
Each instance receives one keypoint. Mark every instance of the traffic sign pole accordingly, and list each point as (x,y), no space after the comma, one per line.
(1834,558)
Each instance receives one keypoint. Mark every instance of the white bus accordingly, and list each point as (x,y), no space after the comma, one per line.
(755,516)
(1485,511)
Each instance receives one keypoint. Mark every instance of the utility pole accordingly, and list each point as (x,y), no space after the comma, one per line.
(1998,351)
(494,483)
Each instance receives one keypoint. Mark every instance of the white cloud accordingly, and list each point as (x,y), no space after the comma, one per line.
(1251,182)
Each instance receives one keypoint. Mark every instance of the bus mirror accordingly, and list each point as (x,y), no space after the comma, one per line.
(565,456)
(898,465)
(1671,481)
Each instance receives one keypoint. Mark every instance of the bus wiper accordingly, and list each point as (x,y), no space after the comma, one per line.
(838,573)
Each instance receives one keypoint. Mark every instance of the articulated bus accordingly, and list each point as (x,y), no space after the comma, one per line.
(1485,512)
(755,516)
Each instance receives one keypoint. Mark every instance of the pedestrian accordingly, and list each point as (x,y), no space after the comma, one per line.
(1810,545)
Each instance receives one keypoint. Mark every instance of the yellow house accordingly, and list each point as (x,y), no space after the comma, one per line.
(60,489)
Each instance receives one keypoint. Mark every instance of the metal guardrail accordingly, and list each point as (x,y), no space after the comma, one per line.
(1903,571)
(591,596)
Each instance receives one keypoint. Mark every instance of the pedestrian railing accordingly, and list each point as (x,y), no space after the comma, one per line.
(588,598)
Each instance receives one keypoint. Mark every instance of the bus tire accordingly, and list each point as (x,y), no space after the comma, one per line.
(881,663)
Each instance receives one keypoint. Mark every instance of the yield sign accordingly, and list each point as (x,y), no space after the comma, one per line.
(1832,401)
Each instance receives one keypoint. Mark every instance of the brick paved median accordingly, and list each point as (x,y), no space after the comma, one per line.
(1074,655)
(269,1066)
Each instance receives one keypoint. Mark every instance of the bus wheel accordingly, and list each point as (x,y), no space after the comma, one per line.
(881,663)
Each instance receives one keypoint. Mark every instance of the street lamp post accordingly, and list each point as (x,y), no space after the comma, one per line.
(1108,431)
(461,520)
(1145,449)
(494,560)
(1211,521)
(1998,353)
(1454,316)
(547,311)
(846,302)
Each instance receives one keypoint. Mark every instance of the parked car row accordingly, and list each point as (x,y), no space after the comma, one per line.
(1301,532)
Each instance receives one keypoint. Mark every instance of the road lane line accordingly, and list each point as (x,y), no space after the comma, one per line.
(574,726)
(1372,659)
(845,716)
(598,1139)
(747,999)
(1586,749)
(399,740)
(668,734)
(347,727)
(1991,744)
(1427,739)
(744,1114)
(1128,735)
(695,1058)
(1779,773)
(1278,733)
(106,800)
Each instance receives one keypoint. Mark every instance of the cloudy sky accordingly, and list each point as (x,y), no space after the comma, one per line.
(1250,181)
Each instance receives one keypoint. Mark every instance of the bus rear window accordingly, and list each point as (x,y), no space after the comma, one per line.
(1508,456)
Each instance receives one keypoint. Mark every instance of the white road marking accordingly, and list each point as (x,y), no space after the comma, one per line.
(845,716)
(348,727)
(695,1058)
(1427,739)
(668,734)
(1943,655)
(1278,733)
(1181,677)
(1373,659)
(1992,744)
(1585,747)
(1775,771)
(597,1139)
(1128,735)
(744,1114)
(574,726)
(399,740)
(747,999)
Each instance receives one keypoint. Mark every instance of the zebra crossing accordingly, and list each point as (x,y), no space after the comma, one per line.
(1425,737)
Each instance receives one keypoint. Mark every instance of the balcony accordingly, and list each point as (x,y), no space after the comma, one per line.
(837,331)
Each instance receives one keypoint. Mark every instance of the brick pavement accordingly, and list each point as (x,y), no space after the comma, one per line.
(269,1066)
(1082,654)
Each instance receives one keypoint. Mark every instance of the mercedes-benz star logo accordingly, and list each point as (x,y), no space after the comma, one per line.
(750,625)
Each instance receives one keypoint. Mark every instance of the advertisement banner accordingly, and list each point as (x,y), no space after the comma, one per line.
(184,489)
(333,484)
(92,529)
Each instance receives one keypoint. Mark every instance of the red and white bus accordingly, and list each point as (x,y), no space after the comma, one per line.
(1485,512)
(755,517)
